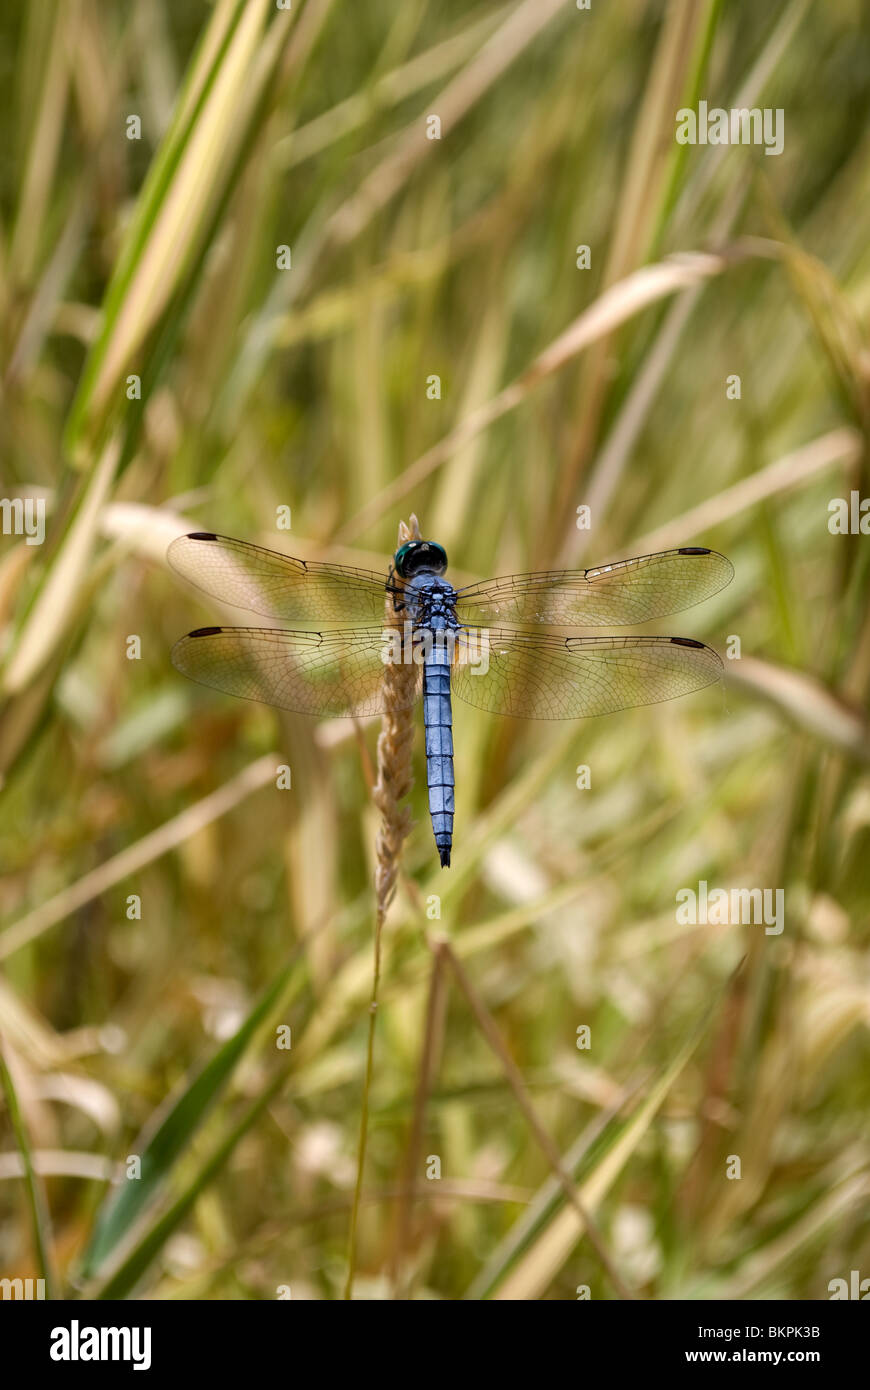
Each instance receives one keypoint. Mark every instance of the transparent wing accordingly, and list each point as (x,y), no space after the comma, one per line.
(547,677)
(629,591)
(298,591)
(333,673)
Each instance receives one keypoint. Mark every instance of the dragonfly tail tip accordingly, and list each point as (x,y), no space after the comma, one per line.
(444,852)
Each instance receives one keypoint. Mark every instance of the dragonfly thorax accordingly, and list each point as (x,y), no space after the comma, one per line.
(430,601)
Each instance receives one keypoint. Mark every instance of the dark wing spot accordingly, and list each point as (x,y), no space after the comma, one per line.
(694,550)
(686,642)
(202,536)
(210,632)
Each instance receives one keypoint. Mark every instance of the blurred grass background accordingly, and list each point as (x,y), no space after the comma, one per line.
(307,388)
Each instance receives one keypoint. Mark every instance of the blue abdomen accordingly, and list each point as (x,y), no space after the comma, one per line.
(438,722)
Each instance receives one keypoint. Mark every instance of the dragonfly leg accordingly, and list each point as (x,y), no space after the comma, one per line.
(395,590)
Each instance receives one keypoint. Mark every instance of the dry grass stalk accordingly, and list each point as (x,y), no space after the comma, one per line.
(394,782)
(395,775)
(433,1031)
(548,1146)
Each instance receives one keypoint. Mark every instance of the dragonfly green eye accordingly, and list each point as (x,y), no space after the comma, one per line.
(415,557)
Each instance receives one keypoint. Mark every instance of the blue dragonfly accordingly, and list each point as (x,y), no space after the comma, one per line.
(447,636)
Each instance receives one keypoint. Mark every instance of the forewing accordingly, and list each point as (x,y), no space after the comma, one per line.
(298,591)
(547,677)
(330,673)
(626,592)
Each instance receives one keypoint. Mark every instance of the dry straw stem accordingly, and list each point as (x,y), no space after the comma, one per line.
(391,176)
(541,1261)
(36,1200)
(454,102)
(644,187)
(809,703)
(130,860)
(395,778)
(683,44)
(395,775)
(611,309)
(488,1028)
(386,92)
(842,445)
(433,1033)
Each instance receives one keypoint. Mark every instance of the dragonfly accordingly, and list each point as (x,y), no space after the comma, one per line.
(480,643)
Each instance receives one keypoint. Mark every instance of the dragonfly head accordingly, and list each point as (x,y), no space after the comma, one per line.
(420,557)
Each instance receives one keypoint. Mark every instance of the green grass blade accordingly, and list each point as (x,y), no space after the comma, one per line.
(524,1267)
(36,1202)
(125,1278)
(127,1204)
